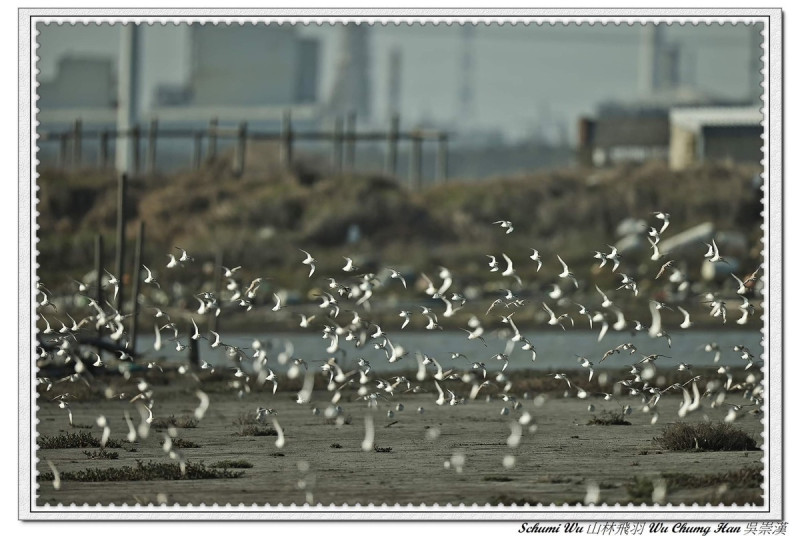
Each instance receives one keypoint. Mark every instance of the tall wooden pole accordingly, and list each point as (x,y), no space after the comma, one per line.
(103,153)
(337,145)
(152,136)
(214,322)
(286,139)
(127,96)
(350,155)
(241,145)
(197,154)
(212,138)
(122,188)
(77,144)
(136,274)
(98,266)
(391,149)
(415,167)
(136,134)
(441,159)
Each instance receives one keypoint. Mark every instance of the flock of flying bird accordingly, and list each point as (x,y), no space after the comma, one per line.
(343,320)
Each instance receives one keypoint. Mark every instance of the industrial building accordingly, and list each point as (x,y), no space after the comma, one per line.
(252,65)
(80,82)
(716,133)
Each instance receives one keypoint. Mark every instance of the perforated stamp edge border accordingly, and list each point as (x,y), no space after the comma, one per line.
(772,252)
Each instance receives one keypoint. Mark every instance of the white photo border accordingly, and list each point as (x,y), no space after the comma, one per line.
(774,505)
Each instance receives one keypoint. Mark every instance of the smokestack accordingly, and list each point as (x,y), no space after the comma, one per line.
(395,77)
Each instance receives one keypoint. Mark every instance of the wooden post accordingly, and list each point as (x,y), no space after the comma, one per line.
(152,136)
(391,149)
(62,150)
(137,269)
(213,324)
(136,134)
(103,153)
(241,144)
(337,145)
(286,138)
(212,138)
(441,159)
(77,142)
(350,155)
(415,164)
(120,264)
(194,354)
(98,266)
(197,154)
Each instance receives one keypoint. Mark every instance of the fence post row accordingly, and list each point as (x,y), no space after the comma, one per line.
(152,135)
(343,157)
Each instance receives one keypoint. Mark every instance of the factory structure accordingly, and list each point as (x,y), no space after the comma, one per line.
(243,72)
(256,72)
(672,121)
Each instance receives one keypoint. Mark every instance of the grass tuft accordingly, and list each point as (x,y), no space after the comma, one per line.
(74,440)
(101,454)
(705,436)
(162,423)
(497,479)
(144,471)
(737,485)
(382,449)
(608,418)
(256,430)
(180,443)
(232,464)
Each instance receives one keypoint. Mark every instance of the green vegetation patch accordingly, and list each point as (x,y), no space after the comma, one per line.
(706,436)
(162,423)
(74,440)
(608,418)
(101,454)
(144,471)
(257,430)
(232,464)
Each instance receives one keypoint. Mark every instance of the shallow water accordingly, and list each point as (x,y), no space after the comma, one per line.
(553,350)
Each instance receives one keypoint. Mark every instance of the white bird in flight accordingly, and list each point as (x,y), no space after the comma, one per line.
(150,278)
(349,266)
(309,260)
(509,271)
(566,273)
(505,224)
(535,257)
(665,218)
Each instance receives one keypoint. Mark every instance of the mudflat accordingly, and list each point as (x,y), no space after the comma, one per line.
(443,455)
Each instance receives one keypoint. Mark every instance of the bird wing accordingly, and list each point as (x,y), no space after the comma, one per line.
(566,269)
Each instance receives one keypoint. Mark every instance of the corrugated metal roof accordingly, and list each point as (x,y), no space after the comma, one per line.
(696,118)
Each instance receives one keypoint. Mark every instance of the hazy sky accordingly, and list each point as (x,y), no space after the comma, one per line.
(521,73)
